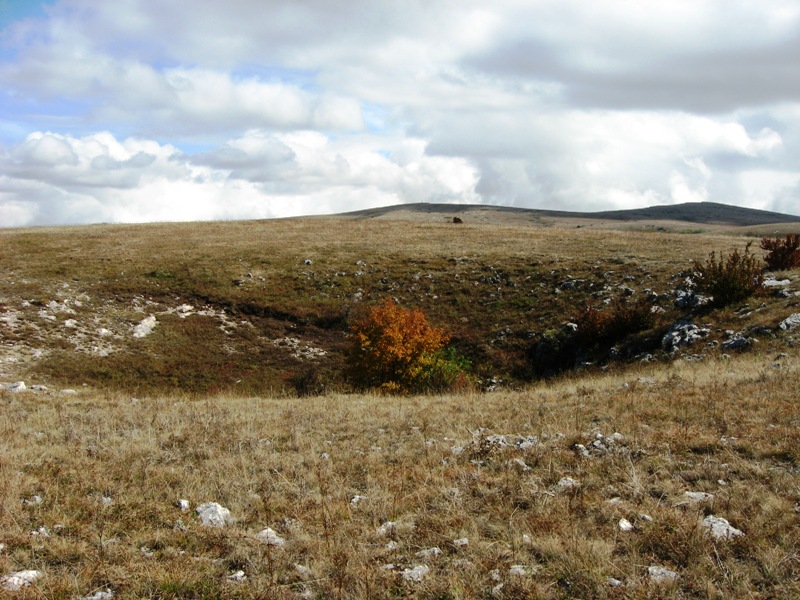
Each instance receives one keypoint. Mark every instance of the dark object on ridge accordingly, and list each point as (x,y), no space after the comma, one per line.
(457,220)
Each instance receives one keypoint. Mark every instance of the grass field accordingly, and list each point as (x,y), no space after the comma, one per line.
(581,485)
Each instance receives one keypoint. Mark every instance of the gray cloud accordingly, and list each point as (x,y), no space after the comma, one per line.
(326,106)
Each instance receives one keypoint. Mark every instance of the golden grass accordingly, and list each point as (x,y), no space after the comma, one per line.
(492,286)
(207,426)
(729,428)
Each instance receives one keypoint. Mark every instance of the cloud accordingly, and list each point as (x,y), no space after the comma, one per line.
(259,175)
(144,110)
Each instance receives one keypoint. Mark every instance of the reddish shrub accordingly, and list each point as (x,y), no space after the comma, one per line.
(782,254)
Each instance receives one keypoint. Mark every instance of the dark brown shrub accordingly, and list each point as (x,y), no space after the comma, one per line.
(729,279)
(782,254)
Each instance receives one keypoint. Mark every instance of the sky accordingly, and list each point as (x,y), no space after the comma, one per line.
(144,110)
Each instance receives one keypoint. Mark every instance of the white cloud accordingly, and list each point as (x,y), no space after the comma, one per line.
(327,106)
(259,175)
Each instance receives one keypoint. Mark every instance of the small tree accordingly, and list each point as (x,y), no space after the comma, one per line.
(729,279)
(396,350)
(782,254)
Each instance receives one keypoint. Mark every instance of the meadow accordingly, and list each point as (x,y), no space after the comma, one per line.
(595,482)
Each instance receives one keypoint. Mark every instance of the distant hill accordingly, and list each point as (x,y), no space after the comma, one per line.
(689,212)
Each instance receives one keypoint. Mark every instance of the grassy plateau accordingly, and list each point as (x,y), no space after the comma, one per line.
(203,363)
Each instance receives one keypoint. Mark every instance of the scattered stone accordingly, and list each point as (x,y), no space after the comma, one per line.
(520,570)
(625,525)
(682,333)
(16,581)
(720,529)
(387,528)
(791,322)
(521,464)
(144,328)
(214,515)
(737,342)
(661,575)
(303,571)
(298,349)
(270,537)
(567,483)
(415,574)
(461,542)
(429,552)
(613,582)
(16,387)
(148,552)
(771,282)
(106,594)
(183,505)
(357,499)
(32,501)
(688,299)
(237,577)
(696,498)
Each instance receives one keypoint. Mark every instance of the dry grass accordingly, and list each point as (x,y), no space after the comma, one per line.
(729,428)
(494,287)
(212,421)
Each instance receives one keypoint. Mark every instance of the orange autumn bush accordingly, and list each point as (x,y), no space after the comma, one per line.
(395,350)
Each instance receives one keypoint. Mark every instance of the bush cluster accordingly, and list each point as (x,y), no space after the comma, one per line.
(611,324)
(729,279)
(782,254)
(396,351)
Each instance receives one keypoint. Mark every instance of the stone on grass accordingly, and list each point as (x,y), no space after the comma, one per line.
(415,574)
(183,505)
(520,570)
(461,542)
(20,579)
(567,483)
(214,515)
(237,577)
(304,571)
(270,537)
(145,327)
(697,497)
(625,525)
(661,575)
(387,528)
(106,594)
(791,322)
(720,529)
(429,552)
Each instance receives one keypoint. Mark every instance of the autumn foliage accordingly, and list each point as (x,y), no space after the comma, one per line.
(395,350)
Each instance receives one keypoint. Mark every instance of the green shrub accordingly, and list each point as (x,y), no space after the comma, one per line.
(395,350)
(782,254)
(729,279)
